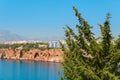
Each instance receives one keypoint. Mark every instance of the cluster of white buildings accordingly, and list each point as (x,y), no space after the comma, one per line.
(56,44)
(23,42)
(51,44)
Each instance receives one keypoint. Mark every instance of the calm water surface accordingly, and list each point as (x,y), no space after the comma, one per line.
(29,70)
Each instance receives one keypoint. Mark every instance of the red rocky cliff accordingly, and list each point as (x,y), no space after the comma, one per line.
(55,55)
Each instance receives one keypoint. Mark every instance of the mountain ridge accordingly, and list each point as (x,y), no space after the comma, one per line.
(9,36)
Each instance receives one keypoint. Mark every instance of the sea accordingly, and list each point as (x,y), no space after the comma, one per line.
(29,70)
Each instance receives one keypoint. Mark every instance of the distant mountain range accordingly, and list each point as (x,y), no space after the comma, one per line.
(9,36)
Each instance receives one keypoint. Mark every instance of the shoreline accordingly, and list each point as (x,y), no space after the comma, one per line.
(31,61)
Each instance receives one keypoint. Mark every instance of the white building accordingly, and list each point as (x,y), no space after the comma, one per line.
(56,44)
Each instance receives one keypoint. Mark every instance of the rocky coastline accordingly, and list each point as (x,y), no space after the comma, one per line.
(53,55)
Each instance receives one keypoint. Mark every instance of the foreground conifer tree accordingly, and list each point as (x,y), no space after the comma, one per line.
(87,59)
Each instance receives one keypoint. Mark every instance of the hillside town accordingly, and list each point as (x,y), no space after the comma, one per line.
(50,44)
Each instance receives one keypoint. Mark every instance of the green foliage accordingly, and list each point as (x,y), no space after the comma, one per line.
(118,43)
(87,59)
(25,47)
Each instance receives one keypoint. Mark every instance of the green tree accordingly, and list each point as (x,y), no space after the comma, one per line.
(87,59)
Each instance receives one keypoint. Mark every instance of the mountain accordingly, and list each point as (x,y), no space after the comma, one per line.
(9,36)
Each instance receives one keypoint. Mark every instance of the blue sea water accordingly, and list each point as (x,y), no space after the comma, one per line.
(29,70)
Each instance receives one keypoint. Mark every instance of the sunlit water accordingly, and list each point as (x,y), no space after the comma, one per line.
(29,70)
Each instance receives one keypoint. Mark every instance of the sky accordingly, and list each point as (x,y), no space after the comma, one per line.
(45,19)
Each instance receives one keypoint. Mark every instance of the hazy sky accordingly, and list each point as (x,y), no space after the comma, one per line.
(45,19)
